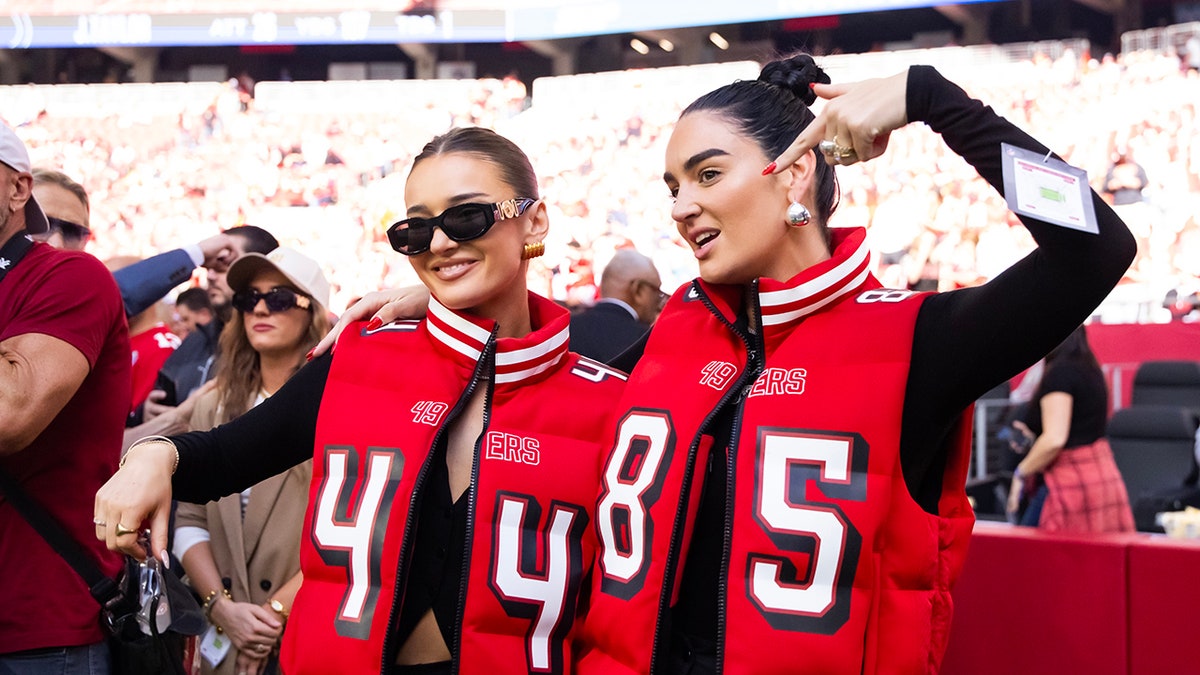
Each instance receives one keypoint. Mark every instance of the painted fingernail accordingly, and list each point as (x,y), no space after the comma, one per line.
(166,560)
(309,355)
(812,85)
(374,323)
(769,170)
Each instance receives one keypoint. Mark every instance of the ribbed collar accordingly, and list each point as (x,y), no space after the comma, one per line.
(785,303)
(517,359)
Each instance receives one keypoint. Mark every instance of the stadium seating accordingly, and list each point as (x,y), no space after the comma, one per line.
(1154,447)
(1168,383)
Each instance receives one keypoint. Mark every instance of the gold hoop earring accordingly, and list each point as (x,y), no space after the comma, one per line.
(533,250)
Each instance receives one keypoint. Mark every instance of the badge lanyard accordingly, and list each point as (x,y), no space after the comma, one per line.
(12,252)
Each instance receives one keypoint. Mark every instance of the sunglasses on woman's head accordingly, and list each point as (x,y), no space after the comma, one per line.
(460,223)
(278,299)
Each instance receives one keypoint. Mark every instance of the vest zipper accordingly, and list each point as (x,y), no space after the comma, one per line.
(738,391)
(486,361)
(389,639)
(754,359)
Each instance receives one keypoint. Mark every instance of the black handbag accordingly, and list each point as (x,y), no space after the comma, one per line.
(147,613)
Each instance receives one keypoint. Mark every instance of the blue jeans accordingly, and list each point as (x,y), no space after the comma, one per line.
(85,660)
(1033,512)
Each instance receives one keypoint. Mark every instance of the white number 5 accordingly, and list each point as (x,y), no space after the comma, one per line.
(814,600)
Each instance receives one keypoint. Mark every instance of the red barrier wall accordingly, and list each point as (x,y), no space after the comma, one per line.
(1164,607)
(1121,347)
(1030,602)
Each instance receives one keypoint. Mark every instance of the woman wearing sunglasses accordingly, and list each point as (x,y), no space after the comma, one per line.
(456,458)
(784,488)
(242,552)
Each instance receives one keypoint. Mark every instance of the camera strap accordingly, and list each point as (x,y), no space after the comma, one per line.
(13,250)
(102,587)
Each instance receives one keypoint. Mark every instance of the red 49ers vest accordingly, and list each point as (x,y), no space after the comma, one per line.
(390,394)
(831,567)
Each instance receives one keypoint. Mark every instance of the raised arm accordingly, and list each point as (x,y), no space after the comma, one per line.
(969,340)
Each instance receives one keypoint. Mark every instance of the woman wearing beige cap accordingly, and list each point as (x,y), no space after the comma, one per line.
(242,552)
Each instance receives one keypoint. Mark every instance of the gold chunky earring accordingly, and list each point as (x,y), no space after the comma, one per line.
(533,250)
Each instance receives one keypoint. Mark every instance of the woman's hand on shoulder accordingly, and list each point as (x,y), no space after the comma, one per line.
(857,116)
(386,306)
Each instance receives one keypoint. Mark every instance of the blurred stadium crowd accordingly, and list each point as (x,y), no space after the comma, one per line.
(321,165)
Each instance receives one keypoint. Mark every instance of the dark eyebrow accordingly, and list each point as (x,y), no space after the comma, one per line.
(454,201)
(696,159)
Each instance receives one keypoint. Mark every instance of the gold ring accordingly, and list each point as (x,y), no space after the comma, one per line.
(122,530)
(844,152)
(826,147)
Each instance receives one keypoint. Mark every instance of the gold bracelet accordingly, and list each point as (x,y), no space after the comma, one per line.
(211,599)
(146,441)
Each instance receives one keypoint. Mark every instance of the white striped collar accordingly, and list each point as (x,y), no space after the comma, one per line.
(785,303)
(517,359)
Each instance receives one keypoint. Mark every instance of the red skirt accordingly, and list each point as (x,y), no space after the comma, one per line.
(1086,492)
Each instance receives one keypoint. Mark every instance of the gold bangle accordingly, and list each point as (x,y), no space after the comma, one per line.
(146,441)
(211,599)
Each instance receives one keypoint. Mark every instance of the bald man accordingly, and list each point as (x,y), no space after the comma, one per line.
(630,300)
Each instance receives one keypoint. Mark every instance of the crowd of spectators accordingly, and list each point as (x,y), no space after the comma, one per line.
(320,164)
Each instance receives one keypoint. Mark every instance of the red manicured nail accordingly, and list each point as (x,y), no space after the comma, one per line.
(374,323)
(309,355)
(769,170)
(812,85)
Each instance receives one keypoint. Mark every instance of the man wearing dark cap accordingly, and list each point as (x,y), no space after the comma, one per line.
(64,393)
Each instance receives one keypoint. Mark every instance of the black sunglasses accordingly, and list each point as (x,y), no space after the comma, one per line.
(464,222)
(278,299)
(71,232)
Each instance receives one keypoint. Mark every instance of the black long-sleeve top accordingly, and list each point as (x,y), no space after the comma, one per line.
(966,341)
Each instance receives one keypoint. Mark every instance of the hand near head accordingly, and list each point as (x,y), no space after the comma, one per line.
(410,302)
(858,115)
(219,252)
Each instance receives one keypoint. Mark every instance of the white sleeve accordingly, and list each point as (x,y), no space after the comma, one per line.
(187,537)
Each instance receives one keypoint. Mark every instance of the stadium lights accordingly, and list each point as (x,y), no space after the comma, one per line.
(666,45)
(639,46)
(716,38)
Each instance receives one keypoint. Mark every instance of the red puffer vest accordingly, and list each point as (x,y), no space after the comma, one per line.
(390,394)
(829,565)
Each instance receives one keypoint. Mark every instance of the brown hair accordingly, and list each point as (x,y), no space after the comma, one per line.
(515,169)
(238,375)
(62,180)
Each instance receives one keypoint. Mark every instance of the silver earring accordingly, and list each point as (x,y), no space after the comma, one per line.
(798,215)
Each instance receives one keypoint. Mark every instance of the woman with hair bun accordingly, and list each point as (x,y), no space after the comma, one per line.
(783,487)
(784,490)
